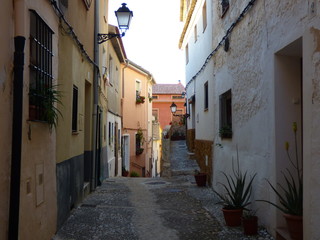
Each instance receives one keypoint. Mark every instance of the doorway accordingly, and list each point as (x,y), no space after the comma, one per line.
(288,109)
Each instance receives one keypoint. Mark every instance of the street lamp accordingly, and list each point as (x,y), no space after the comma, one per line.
(124,16)
(173,109)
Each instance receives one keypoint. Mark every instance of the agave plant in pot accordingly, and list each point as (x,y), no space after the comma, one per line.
(290,194)
(250,222)
(236,196)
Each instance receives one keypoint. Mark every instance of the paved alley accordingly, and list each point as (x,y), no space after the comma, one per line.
(152,208)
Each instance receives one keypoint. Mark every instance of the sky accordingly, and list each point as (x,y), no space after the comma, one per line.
(153,38)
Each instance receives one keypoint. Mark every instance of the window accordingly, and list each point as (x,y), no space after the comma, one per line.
(187,54)
(206,96)
(110,72)
(155,97)
(138,87)
(109,133)
(204,16)
(177,97)
(75,109)
(40,66)
(224,7)
(226,114)
(195,33)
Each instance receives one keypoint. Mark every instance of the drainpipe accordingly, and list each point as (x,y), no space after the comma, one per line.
(95,96)
(19,43)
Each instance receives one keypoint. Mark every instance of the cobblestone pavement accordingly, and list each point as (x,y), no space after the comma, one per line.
(153,208)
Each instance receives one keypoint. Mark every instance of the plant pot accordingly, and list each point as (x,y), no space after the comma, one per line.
(295,227)
(250,225)
(232,217)
(201,179)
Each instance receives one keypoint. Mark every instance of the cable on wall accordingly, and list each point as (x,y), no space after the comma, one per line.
(225,38)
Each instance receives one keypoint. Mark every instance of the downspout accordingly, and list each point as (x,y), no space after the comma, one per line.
(19,43)
(95,95)
(19,11)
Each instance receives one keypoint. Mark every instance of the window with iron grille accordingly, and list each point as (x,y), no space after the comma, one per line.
(75,109)
(40,66)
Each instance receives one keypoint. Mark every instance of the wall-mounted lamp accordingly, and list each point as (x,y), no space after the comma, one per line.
(124,16)
(173,109)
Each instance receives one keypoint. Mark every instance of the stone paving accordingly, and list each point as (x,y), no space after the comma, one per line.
(153,208)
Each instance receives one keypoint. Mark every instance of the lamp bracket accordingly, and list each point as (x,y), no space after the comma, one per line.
(103,37)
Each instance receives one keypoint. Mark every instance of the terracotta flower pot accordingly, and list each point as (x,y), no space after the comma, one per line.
(250,225)
(201,179)
(232,217)
(295,227)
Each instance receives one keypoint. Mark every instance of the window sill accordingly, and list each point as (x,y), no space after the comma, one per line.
(75,133)
(206,110)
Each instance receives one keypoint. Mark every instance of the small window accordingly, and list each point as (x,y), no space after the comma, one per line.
(110,70)
(206,97)
(104,133)
(204,16)
(177,97)
(155,97)
(226,115)
(109,133)
(195,33)
(187,54)
(75,109)
(224,7)
(138,88)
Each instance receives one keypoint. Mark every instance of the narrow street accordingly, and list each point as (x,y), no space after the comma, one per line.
(152,208)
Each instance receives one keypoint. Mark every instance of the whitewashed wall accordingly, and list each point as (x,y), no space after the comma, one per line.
(263,70)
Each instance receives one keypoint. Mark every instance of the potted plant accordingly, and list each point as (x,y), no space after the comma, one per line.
(250,222)
(236,196)
(139,151)
(201,178)
(225,132)
(291,193)
(125,172)
(134,174)
(42,104)
(140,99)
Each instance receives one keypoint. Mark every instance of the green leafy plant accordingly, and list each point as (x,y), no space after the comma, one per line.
(140,99)
(134,174)
(291,197)
(237,190)
(225,131)
(46,98)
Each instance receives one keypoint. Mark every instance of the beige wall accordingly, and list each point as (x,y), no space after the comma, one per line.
(135,116)
(6,79)
(37,207)
(73,70)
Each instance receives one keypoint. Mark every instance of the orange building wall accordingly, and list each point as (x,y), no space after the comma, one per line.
(163,103)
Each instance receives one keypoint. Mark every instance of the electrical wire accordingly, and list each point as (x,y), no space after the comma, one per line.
(229,31)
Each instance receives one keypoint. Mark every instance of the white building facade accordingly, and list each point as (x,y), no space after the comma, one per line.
(262,69)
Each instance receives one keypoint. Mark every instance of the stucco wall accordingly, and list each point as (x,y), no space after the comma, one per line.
(266,98)
(38,207)
(6,68)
